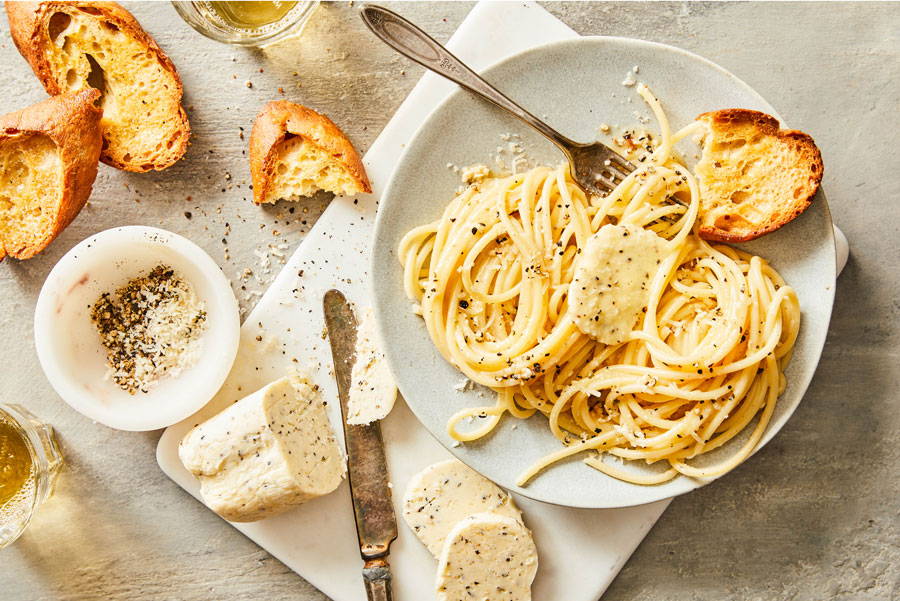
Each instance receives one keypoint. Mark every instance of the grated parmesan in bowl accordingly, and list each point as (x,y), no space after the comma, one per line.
(136,328)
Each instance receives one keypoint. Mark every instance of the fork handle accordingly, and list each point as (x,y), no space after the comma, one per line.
(415,44)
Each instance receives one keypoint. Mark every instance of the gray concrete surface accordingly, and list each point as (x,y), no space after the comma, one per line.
(812,517)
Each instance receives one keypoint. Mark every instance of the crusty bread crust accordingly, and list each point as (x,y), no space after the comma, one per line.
(27,22)
(72,121)
(280,119)
(807,160)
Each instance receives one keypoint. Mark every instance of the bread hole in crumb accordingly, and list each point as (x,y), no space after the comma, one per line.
(71,78)
(90,10)
(96,78)
(814,168)
(798,192)
(127,157)
(110,26)
(58,23)
(281,169)
(745,169)
(728,222)
(105,143)
(730,144)
(739,196)
(147,166)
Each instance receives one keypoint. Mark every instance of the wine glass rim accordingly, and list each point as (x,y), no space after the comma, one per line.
(291,23)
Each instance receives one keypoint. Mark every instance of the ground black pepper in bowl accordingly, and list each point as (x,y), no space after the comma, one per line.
(151,327)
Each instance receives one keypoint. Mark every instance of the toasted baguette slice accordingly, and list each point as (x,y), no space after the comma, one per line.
(295,152)
(75,45)
(753,176)
(48,161)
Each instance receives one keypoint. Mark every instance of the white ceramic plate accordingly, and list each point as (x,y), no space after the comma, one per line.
(575,85)
(69,348)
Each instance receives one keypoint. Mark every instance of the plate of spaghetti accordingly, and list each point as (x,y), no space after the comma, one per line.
(592,351)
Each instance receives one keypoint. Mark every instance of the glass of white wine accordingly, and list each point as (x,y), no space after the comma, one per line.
(249,23)
(30,460)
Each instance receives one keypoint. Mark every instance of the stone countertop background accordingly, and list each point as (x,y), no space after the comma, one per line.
(814,516)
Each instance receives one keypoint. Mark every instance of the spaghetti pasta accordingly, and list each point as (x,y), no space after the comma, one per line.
(705,358)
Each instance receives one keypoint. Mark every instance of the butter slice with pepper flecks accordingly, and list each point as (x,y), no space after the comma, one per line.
(372,387)
(487,557)
(443,494)
(611,284)
(268,452)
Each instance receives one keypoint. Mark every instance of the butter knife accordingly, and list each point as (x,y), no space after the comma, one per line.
(376,525)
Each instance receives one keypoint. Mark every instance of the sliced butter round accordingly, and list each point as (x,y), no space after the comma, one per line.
(372,387)
(611,285)
(443,494)
(487,557)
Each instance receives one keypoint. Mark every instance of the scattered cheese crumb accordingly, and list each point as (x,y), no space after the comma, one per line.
(474,173)
(465,385)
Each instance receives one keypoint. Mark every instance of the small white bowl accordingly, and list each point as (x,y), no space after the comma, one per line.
(68,344)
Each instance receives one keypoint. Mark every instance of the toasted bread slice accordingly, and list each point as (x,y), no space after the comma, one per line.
(753,176)
(295,152)
(75,45)
(48,162)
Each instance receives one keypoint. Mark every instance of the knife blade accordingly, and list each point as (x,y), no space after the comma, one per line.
(376,525)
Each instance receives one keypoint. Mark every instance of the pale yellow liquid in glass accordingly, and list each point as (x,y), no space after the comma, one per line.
(17,478)
(250,15)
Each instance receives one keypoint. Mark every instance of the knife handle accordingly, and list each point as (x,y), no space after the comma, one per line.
(377,579)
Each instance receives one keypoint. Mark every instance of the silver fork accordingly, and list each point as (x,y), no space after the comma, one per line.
(597,168)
